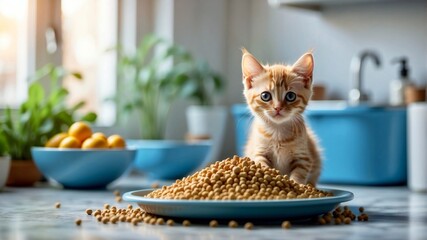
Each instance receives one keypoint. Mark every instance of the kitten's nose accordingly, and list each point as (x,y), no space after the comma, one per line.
(278,108)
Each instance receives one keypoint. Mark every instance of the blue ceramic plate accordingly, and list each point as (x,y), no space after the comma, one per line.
(238,209)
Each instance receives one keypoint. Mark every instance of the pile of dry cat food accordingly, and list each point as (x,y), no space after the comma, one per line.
(231,179)
(237,179)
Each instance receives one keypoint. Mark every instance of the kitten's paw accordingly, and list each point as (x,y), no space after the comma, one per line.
(298,180)
(264,163)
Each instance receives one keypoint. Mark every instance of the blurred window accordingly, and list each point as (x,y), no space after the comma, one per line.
(15,44)
(89,29)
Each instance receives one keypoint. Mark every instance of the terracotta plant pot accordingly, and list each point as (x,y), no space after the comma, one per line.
(23,173)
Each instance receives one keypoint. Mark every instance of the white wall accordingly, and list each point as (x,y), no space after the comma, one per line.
(216,30)
(337,33)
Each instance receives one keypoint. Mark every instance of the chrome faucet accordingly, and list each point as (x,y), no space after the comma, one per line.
(356,94)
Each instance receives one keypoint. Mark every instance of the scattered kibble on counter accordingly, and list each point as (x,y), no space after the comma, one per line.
(233,224)
(186,223)
(249,226)
(89,211)
(134,216)
(213,223)
(78,222)
(286,224)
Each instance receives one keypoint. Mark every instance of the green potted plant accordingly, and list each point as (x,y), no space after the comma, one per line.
(39,118)
(159,73)
(205,119)
(151,80)
(4,160)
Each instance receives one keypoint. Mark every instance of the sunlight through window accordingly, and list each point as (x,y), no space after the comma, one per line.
(89,29)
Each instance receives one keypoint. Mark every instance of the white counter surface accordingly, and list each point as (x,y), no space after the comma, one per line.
(30,213)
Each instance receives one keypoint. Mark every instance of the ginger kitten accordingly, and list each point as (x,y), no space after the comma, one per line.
(277,96)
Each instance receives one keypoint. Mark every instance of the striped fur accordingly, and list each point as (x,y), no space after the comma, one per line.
(278,136)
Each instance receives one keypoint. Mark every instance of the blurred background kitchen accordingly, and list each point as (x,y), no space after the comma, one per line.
(81,36)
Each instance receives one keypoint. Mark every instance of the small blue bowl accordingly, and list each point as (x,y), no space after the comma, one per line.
(83,169)
(168,159)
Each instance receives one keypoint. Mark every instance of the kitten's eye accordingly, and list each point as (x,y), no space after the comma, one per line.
(265,96)
(290,96)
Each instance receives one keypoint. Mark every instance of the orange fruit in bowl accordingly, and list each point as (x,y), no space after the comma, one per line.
(80,130)
(97,142)
(99,135)
(54,141)
(70,142)
(116,141)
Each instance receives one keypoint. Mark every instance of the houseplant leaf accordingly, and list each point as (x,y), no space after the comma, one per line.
(42,115)
(89,117)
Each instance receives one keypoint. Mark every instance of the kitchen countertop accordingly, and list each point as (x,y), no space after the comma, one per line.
(30,213)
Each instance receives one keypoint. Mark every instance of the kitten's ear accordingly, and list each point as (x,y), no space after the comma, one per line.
(250,68)
(304,67)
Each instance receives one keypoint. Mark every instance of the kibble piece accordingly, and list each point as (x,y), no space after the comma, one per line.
(233,224)
(160,221)
(134,221)
(114,220)
(365,217)
(116,193)
(286,224)
(78,222)
(105,220)
(213,223)
(249,225)
(89,211)
(118,199)
(327,218)
(347,220)
(57,205)
(335,214)
(186,223)
(106,206)
(170,222)
(322,221)
(361,209)
(152,221)
(97,212)
(337,221)
(130,206)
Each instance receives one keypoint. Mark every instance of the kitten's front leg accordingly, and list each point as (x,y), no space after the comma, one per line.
(299,170)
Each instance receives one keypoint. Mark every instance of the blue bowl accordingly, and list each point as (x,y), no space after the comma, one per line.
(83,169)
(168,159)
(363,145)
